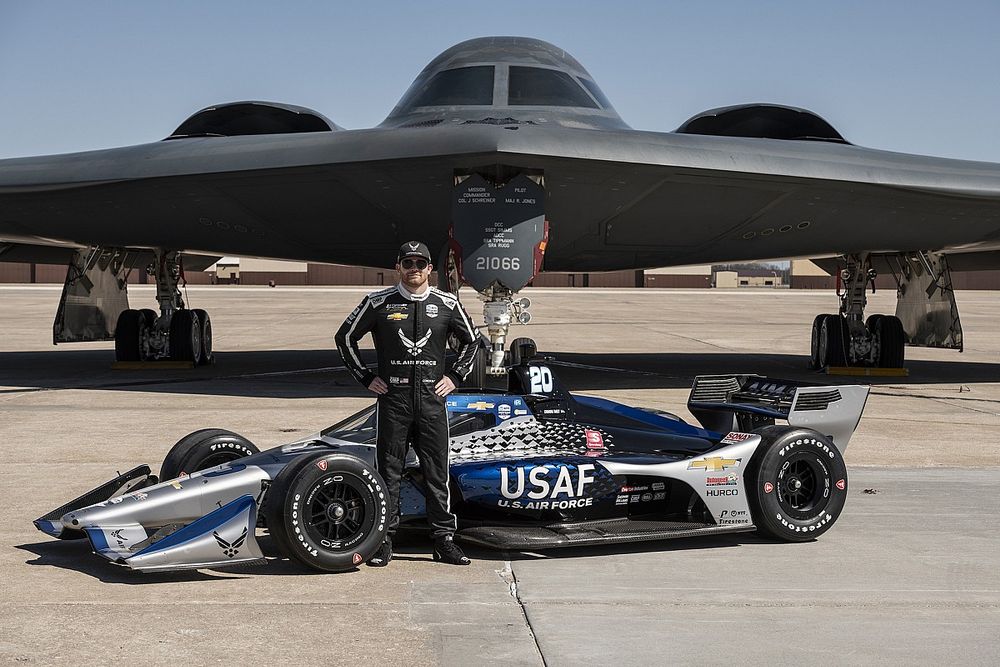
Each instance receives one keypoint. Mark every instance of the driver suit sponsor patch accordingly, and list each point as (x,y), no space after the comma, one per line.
(431,310)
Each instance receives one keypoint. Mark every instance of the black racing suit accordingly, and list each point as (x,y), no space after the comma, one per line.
(411,336)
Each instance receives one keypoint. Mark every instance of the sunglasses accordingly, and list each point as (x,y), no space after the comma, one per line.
(420,264)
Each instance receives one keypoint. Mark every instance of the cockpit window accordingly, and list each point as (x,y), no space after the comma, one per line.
(596,92)
(457,87)
(545,87)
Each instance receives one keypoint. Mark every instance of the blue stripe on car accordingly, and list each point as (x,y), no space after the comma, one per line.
(645,416)
(199,527)
(97,539)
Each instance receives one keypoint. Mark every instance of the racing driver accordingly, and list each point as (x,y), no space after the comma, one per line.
(410,323)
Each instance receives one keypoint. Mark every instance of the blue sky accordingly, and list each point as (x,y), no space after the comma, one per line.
(920,77)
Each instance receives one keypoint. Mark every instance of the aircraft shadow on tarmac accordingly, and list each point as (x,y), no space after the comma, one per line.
(319,373)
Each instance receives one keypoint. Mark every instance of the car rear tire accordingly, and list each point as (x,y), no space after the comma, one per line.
(796,484)
(327,511)
(203,449)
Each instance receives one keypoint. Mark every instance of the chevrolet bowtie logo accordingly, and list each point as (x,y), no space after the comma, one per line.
(396,316)
(481,405)
(713,464)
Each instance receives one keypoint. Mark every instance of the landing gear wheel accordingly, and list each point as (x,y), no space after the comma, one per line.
(203,449)
(150,316)
(130,330)
(477,376)
(796,484)
(831,343)
(327,511)
(185,337)
(207,357)
(888,331)
(814,359)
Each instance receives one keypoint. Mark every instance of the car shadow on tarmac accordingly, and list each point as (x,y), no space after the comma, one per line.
(412,546)
(77,555)
(320,373)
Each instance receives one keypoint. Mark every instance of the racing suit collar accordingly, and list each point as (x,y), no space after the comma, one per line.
(410,296)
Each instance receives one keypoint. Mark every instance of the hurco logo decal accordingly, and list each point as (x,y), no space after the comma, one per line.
(713,464)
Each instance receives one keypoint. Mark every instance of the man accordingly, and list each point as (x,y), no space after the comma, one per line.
(410,324)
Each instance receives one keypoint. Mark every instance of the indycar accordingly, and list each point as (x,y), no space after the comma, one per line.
(532,467)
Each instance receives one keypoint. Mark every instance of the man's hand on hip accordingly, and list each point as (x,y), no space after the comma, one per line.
(444,386)
(379,386)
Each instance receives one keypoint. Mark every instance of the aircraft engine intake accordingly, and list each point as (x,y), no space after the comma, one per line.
(236,119)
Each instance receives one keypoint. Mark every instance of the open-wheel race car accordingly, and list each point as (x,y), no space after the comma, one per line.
(532,468)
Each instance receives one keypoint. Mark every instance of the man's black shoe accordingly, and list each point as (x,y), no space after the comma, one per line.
(382,556)
(446,551)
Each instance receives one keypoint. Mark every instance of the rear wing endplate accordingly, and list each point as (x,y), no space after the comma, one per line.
(724,403)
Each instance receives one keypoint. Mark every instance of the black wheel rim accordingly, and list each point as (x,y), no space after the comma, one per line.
(335,511)
(803,486)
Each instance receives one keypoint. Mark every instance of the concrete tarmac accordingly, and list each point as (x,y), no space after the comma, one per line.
(908,575)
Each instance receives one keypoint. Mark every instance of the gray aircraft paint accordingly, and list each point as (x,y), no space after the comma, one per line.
(617,198)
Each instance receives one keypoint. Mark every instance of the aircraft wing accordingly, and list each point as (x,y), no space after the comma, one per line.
(617,198)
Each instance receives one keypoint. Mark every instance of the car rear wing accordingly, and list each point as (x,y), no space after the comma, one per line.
(724,403)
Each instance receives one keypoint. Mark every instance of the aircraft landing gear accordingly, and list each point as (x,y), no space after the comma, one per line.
(847,339)
(178,334)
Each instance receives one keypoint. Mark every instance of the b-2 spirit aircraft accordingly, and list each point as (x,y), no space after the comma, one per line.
(502,149)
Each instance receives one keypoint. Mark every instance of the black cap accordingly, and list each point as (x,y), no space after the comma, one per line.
(414,249)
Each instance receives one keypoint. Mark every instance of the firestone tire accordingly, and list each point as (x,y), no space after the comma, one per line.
(796,484)
(327,511)
(203,449)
